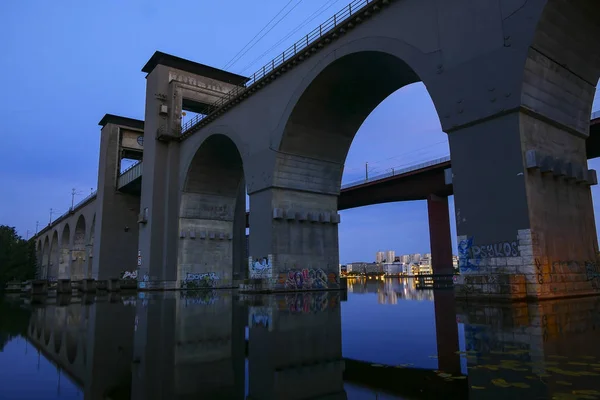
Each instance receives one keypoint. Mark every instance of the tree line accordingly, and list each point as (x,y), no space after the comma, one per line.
(17,257)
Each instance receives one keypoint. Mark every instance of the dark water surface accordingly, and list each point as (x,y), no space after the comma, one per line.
(385,339)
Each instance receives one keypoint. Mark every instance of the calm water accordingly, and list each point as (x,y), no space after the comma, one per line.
(384,340)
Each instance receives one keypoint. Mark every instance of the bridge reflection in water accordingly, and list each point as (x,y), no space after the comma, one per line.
(221,345)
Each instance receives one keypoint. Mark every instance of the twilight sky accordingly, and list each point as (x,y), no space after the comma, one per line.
(64,65)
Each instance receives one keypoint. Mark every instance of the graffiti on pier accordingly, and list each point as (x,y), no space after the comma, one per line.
(470,255)
(466,261)
(502,249)
(199,280)
(261,268)
(308,303)
(592,274)
(261,317)
(309,279)
(129,275)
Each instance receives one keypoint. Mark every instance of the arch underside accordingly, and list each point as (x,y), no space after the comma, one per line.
(563,66)
(213,185)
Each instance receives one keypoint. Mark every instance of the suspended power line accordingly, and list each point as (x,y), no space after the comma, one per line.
(310,18)
(270,29)
(259,32)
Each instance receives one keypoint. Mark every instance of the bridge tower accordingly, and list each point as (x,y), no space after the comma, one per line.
(183,229)
(116,227)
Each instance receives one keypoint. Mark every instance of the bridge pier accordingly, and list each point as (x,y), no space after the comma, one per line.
(524,212)
(294,241)
(439,235)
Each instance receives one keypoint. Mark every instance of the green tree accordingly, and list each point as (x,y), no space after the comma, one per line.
(17,257)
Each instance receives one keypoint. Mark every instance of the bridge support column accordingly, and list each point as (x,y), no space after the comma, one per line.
(524,210)
(294,240)
(439,235)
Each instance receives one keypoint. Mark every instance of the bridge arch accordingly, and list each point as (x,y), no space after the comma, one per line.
(54,256)
(65,252)
(333,100)
(45,258)
(38,255)
(212,215)
(78,255)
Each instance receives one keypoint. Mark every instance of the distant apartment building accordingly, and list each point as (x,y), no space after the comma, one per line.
(415,257)
(405,258)
(390,255)
(379,257)
(364,268)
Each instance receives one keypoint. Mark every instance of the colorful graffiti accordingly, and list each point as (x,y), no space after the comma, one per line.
(199,280)
(309,279)
(261,268)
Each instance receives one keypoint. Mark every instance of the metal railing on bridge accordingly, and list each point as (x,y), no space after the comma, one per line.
(395,172)
(301,45)
(130,174)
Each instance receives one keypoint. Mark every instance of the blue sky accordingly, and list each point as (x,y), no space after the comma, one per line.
(64,65)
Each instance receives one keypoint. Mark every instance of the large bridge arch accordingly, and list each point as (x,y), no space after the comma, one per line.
(339,92)
(212,215)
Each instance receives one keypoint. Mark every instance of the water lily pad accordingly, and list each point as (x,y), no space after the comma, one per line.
(589,392)
(500,383)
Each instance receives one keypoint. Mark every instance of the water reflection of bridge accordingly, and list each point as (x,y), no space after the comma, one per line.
(160,346)
(389,290)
